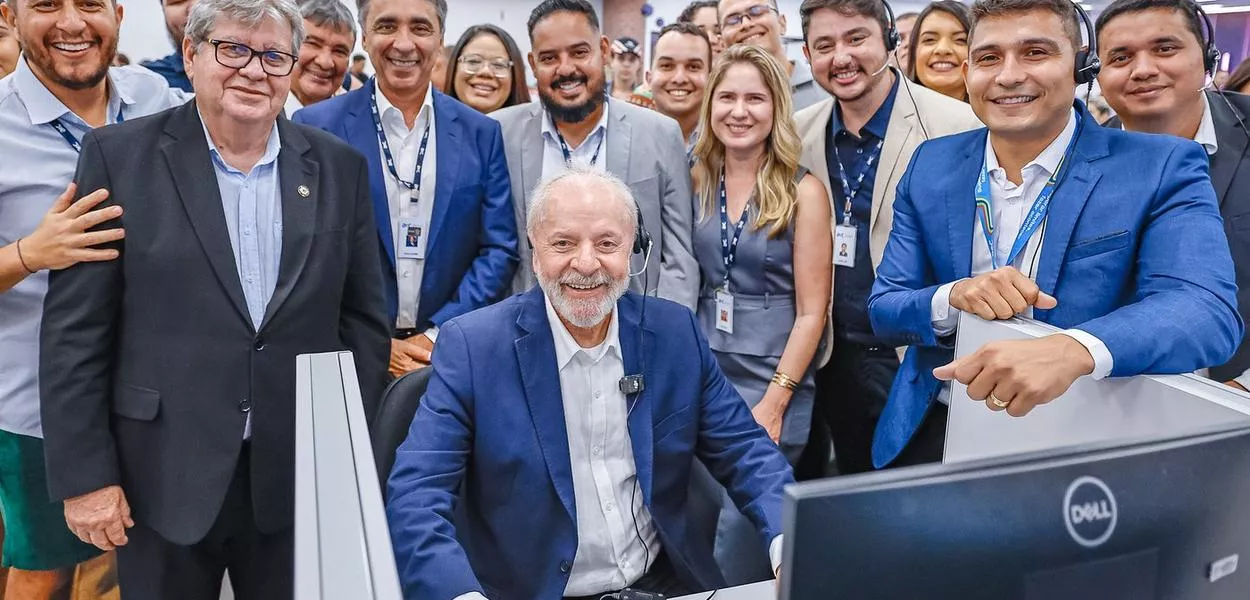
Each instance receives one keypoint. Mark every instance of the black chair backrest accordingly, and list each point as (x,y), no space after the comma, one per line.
(395,413)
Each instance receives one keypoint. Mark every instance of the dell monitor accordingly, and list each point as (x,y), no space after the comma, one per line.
(1149,521)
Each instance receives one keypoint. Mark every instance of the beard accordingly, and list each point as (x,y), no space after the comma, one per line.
(570,114)
(583,313)
(41,59)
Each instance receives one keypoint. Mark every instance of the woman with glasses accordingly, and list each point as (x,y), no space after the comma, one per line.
(938,48)
(764,247)
(486,71)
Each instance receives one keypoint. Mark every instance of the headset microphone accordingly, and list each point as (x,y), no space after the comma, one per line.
(885,65)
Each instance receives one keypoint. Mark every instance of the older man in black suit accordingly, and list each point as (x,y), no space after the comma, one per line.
(168,375)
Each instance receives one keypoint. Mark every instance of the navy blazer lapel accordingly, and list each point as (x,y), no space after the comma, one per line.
(362,134)
(298,176)
(449,135)
(536,353)
(641,424)
(1232,145)
(960,205)
(1073,192)
(186,153)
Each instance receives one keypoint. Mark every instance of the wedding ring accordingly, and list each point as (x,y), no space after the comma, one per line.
(999,403)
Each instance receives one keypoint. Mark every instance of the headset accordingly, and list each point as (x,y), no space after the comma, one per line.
(892,40)
(1087,63)
(1210,54)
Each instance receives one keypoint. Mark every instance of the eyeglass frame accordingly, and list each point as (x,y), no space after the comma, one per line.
(746,15)
(255,54)
(485,63)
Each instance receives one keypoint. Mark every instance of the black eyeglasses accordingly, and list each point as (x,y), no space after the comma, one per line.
(238,56)
(752,13)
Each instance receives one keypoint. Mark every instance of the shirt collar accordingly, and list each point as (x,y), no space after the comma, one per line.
(566,346)
(549,132)
(1206,129)
(880,121)
(1048,160)
(43,107)
(272,147)
(384,103)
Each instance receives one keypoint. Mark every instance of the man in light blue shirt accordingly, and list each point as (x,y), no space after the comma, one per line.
(46,106)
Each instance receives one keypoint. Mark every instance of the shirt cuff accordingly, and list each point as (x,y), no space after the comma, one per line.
(470,596)
(1243,379)
(945,318)
(1103,361)
(432,333)
(774,552)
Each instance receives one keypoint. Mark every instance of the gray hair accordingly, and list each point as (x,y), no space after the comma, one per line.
(249,13)
(440,6)
(584,177)
(328,13)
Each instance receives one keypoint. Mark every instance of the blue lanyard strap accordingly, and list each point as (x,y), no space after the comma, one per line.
(568,154)
(69,137)
(728,246)
(415,184)
(849,192)
(1032,221)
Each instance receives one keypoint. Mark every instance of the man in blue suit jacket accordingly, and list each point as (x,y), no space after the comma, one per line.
(442,198)
(1130,257)
(533,436)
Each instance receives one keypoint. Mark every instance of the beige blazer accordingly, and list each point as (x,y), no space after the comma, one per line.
(913,105)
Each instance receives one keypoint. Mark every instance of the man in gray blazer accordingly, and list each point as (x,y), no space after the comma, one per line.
(575,121)
(859,144)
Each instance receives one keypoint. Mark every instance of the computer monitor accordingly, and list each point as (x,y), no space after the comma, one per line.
(1159,520)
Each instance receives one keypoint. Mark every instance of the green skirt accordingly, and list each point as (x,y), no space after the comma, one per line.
(35,535)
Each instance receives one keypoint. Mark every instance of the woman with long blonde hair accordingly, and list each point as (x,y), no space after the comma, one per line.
(763,243)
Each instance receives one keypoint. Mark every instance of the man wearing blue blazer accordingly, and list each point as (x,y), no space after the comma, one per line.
(1114,236)
(550,456)
(437,172)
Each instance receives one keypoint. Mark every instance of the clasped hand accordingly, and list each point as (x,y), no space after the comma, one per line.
(100,518)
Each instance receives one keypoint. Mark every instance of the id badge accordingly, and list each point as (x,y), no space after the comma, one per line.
(411,239)
(725,311)
(844,246)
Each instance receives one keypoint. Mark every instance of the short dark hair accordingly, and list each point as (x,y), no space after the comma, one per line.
(440,6)
(686,28)
(1122,7)
(547,7)
(358,58)
(1064,9)
(687,14)
(950,7)
(520,93)
(874,9)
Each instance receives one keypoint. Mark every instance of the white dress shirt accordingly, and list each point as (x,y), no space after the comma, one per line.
(553,157)
(404,144)
(1011,204)
(293,104)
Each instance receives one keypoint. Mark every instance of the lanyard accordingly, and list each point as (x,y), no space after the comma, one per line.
(415,184)
(69,137)
(728,247)
(847,191)
(1033,220)
(568,154)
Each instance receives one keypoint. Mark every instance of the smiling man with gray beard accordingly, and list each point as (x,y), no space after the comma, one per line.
(563,427)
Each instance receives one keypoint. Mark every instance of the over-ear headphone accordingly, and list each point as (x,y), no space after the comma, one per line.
(1087,63)
(1210,54)
(892,38)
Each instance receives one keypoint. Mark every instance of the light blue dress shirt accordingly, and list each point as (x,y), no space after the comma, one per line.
(36,164)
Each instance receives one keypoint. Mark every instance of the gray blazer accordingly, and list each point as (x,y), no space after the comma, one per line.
(645,149)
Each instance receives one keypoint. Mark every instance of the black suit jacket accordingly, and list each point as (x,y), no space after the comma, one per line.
(1230,175)
(150,363)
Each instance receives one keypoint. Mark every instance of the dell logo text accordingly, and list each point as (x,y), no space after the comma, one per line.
(1089,511)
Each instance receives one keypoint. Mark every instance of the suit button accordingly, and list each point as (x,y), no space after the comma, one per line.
(565,567)
(260,344)
(245,405)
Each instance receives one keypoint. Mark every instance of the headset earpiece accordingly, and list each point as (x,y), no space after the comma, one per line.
(642,239)
(892,38)
(1087,63)
(1210,54)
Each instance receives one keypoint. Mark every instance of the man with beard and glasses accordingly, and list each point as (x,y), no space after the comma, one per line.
(567,481)
(1113,237)
(322,64)
(678,77)
(172,67)
(61,88)
(436,171)
(858,143)
(575,121)
(166,375)
(758,22)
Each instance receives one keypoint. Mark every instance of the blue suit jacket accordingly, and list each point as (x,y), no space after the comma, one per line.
(1134,251)
(472,250)
(489,442)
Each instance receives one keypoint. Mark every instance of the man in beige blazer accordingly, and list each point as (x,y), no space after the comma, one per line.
(859,144)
